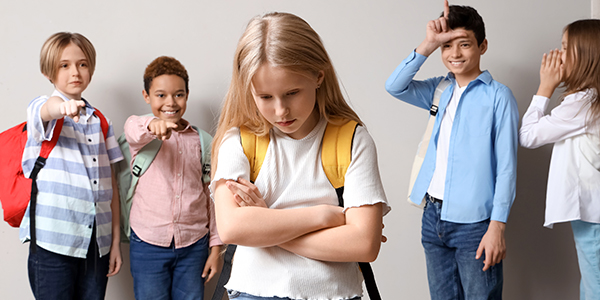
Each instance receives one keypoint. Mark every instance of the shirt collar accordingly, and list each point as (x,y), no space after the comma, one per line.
(484,77)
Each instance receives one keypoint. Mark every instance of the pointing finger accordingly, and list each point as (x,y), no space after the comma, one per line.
(446,9)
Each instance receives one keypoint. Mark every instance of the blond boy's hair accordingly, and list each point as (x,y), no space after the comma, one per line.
(54,47)
(280,40)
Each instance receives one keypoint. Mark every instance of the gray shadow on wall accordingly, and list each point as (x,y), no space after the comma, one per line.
(537,256)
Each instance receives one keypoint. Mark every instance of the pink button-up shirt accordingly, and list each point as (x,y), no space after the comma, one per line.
(171,203)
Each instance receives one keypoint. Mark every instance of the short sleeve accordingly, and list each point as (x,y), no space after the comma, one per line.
(362,184)
(35,126)
(232,162)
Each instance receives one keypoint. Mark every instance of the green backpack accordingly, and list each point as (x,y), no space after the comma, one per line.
(127,178)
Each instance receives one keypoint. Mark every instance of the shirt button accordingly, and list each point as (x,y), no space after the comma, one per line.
(179,174)
(93,159)
(90,140)
(95,182)
(180,152)
(90,226)
(177,196)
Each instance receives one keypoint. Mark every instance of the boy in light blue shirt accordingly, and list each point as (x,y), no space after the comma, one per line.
(468,177)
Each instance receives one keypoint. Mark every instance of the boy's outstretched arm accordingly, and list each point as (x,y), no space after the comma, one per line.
(56,108)
(214,263)
(115,259)
(438,33)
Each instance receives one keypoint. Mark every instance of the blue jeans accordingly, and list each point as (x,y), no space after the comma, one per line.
(56,276)
(243,296)
(587,242)
(450,249)
(164,273)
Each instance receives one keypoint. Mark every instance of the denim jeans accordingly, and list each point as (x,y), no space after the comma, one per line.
(450,249)
(55,276)
(587,242)
(243,296)
(164,273)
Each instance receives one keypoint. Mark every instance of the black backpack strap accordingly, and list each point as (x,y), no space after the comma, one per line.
(367,272)
(39,164)
(45,150)
(225,272)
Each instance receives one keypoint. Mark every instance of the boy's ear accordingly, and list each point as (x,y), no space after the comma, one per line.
(483,47)
(146,96)
(48,77)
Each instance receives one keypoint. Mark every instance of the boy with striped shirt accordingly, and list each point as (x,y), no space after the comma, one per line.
(77,212)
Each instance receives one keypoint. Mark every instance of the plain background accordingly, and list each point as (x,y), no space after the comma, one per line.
(366,41)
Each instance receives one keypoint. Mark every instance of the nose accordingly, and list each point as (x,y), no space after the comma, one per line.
(170,100)
(75,70)
(456,52)
(281,108)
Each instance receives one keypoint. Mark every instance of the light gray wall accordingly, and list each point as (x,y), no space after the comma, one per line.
(366,40)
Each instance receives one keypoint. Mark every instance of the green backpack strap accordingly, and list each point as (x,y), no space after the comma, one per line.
(140,164)
(205,143)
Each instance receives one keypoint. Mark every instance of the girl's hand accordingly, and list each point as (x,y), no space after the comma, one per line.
(333,215)
(551,73)
(213,265)
(246,193)
(161,129)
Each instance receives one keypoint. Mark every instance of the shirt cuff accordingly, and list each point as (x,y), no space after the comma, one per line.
(540,102)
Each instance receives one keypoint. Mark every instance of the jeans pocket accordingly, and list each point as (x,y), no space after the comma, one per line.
(232,294)
(134,238)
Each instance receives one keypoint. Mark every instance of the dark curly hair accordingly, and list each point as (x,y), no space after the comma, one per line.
(165,65)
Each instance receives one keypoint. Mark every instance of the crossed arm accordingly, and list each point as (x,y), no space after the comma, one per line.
(319,232)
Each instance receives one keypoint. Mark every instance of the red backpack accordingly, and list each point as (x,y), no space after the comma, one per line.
(15,189)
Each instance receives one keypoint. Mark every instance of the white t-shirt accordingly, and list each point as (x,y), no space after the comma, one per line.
(292,177)
(438,181)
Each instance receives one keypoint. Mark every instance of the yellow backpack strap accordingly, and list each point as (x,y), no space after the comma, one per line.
(255,148)
(336,151)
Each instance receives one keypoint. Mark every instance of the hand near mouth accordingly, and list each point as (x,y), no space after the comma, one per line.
(161,128)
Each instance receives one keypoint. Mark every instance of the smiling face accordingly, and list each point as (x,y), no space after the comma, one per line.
(287,99)
(167,98)
(73,75)
(462,56)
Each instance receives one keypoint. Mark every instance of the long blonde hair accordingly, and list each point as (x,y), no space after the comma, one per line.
(282,40)
(583,58)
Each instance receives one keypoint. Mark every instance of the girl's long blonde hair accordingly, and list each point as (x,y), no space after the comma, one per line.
(583,60)
(281,40)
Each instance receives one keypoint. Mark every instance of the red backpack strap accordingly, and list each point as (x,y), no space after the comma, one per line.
(47,146)
(103,122)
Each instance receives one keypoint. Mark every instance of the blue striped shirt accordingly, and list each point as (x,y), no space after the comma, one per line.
(75,186)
